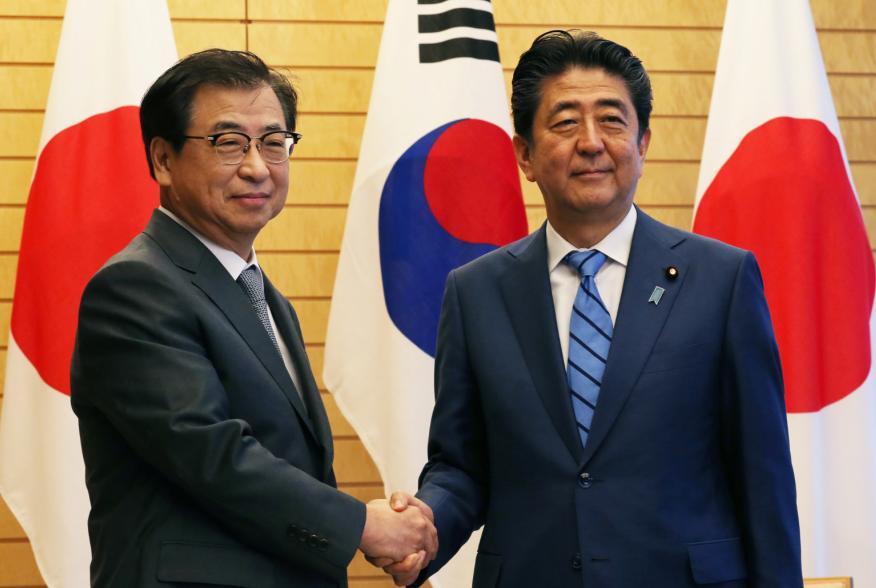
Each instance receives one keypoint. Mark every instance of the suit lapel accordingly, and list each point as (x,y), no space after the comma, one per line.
(211,278)
(526,290)
(287,324)
(639,321)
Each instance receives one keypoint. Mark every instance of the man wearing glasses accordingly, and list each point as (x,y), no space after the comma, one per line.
(207,449)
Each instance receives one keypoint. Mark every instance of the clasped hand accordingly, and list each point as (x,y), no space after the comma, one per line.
(399,536)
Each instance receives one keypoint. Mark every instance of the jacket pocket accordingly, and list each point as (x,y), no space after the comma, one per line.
(487,569)
(199,563)
(717,561)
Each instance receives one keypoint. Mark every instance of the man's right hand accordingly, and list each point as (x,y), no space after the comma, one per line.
(395,535)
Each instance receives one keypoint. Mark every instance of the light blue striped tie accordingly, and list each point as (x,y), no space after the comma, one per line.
(589,339)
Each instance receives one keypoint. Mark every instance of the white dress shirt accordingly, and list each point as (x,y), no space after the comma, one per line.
(235,265)
(609,279)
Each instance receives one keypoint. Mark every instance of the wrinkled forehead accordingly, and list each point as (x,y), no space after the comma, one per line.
(217,108)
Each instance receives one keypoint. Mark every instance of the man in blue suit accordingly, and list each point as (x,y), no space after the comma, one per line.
(619,427)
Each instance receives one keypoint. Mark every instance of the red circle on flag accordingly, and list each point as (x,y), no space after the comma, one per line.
(90,195)
(470,176)
(785,195)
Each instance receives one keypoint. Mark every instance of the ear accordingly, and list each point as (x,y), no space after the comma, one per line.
(644,143)
(162,155)
(524,155)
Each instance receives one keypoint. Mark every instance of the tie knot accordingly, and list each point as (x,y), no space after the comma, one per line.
(586,263)
(250,280)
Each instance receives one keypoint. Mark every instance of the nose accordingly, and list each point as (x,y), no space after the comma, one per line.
(253,167)
(589,139)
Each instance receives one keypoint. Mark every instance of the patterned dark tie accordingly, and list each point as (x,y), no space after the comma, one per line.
(250,281)
(589,339)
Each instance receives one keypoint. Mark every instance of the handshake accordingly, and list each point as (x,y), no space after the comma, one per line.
(399,536)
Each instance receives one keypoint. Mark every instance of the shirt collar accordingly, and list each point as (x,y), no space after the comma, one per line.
(230,260)
(615,245)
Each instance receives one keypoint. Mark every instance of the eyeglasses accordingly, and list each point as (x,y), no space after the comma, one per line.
(232,146)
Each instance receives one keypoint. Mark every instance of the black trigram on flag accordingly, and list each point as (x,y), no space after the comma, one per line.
(461,43)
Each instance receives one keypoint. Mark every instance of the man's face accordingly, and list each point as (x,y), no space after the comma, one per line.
(585,154)
(228,204)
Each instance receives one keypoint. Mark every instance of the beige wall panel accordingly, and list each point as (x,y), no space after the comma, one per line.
(313,316)
(330,136)
(340,426)
(15,178)
(11,220)
(5,314)
(2,371)
(574,13)
(322,44)
(332,90)
(32,7)
(29,41)
(202,9)
(864,175)
(660,49)
(9,527)
(870,224)
(316,353)
(535,216)
(25,87)
(22,132)
(858,135)
(17,566)
(338,10)
(848,14)
(848,51)
(296,228)
(319,182)
(668,183)
(352,462)
(677,139)
(196,36)
(294,274)
(854,95)
(363,492)
(8,265)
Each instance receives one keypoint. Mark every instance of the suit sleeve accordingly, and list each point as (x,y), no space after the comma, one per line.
(453,481)
(142,362)
(755,437)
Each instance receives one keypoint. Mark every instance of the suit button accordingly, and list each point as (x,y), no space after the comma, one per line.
(302,535)
(584,480)
(323,544)
(576,562)
(313,541)
(292,531)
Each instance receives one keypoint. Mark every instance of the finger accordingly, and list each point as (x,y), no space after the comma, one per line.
(422,506)
(400,500)
(379,562)
(412,563)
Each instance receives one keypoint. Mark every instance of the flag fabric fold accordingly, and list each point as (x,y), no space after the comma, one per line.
(90,194)
(436,186)
(775,180)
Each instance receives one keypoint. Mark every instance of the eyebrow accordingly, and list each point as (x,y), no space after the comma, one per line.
(227,125)
(601,103)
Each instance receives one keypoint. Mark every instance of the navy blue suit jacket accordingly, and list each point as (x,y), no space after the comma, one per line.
(686,477)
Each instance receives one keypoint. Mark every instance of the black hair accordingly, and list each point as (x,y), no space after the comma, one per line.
(554,52)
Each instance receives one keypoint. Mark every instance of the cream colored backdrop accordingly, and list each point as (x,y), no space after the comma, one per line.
(331,47)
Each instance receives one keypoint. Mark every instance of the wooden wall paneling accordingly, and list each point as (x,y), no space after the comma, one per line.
(316,43)
(21,131)
(2,369)
(17,565)
(9,527)
(8,265)
(330,136)
(207,9)
(313,316)
(29,40)
(853,94)
(848,51)
(295,274)
(11,220)
(15,178)
(573,13)
(5,315)
(340,426)
(32,7)
(352,462)
(299,228)
(333,90)
(308,10)
(864,175)
(25,87)
(848,14)
(320,182)
(193,36)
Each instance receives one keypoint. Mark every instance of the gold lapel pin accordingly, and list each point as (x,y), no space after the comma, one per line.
(671,272)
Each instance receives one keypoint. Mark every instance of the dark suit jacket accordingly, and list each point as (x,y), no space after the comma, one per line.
(686,477)
(203,465)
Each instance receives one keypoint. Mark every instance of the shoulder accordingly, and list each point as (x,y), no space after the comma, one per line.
(695,247)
